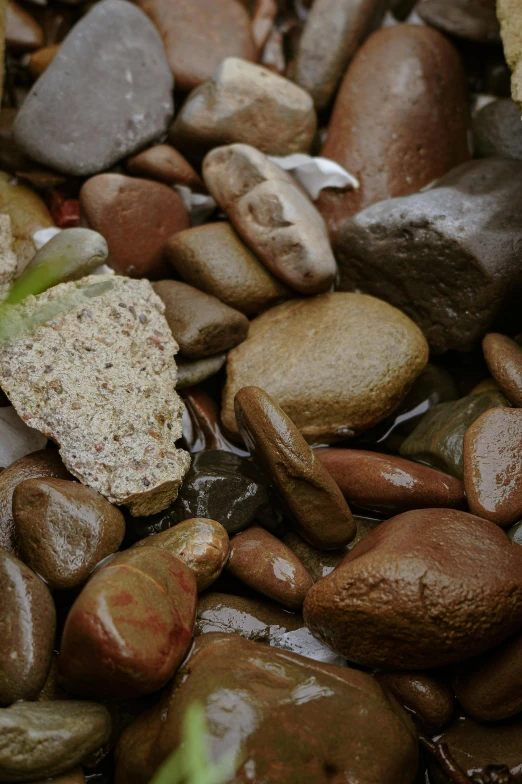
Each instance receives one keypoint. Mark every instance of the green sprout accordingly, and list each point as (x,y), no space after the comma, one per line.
(190,763)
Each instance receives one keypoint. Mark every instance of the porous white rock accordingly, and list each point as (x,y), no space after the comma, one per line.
(7,256)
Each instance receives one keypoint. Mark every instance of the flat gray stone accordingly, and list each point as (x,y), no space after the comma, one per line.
(497,130)
(107,93)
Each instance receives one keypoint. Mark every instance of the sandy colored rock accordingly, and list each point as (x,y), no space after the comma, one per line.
(162,162)
(198,35)
(22,31)
(272,215)
(426,695)
(214,259)
(7,257)
(504,360)
(247,104)
(396,600)
(201,324)
(336,364)
(423,118)
(509,15)
(28,215)
(99,379)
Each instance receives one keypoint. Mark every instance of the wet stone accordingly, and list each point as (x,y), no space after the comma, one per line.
(504,360)
(427,696)
(195,371)
(254,619)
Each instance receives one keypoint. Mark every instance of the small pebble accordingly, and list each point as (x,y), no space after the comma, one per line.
(165,164)
(254,619)
(504,360)
(427,696)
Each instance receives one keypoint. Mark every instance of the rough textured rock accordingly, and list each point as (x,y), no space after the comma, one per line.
(162,162)
(472,19)
(248,104)
(64,529)
(7,256)
(130,627)
(315,503)
(396,600)
(201,324)
(213,258)
(85,113)
(108,349)
(426,695)
(299,353)
(509,15)
(27,628)
(136,217)
(504,360)
(44,463)
(448,256)
(49,738)
(492,458)
(371,741)
(198,35)
(438,439)
(254,619)
(333,32)
(273,216)
(200,543)
(28,215)
(423,118)
(497,130)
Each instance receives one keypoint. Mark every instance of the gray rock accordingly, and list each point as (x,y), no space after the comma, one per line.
(107,93)
(40,739)
(194,371)
(449,257)
(497,130)
(472,19)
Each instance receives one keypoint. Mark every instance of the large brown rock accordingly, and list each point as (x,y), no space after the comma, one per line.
(421,131)
(425,589)
(371,740)
(336,364)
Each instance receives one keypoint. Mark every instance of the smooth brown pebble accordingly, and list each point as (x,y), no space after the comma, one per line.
(492,461)
(200,543)
(504,360)
(255,619)
(162,162)
(389,484)
(201,324)
(42,58)
(27,629)
(64,529)
(265,564)
(426,696)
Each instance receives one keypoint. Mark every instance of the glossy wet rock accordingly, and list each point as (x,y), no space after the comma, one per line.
(317,507)
(42,464)
(483,751)
(204,431)
(27,628)
(395,601)
(497,130)
(49,738)
(64,529)
(254,619)
(389,484)
(28,215)
(130,627)
(136,217)
(273,215)
(22,31)
(265,564)
(422,128)
(215,260)
(162,162)
(461,237)
(492,455)
(333,32)
(472,19)
(195,371)
(248,104)
(371,741)
(438,439)
(298,352)
(198,35)
(86,112)
(427,696)
(200,543)
(504,359)
(200,323)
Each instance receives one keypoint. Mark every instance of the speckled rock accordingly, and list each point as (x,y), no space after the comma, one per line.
(28,215)
(200,543)
(85,113)
(371,740)
(475,20)
(248,104)
(395,601)
(497,130)
(27,628)
(509,15)
(504,360)
(109,350)
(49,738)
(312,498)
(130,627)
(460,237)
(273,215)
(162,162)
(424,694)
(213,258)
(298,353)
(64,529)
(254,619)
(7,256)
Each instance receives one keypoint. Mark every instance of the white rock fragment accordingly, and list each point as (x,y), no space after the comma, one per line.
(7,257)
(96,373)
(16,438)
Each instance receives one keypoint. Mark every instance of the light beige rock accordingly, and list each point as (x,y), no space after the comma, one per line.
(336,364)
(273,215)
(7,256)
(96,373)
(509,13)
